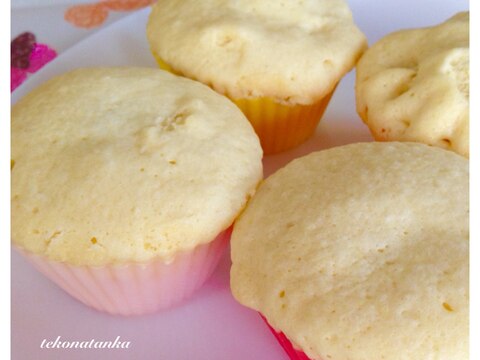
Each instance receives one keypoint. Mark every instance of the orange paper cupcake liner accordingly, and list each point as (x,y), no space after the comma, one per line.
(279,127)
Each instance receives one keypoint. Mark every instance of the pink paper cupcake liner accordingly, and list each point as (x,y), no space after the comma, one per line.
(293,353)
(136,288)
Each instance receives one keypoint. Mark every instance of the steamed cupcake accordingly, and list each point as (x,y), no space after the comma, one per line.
(279,61)
(125,182)
(360,252)
(413,85)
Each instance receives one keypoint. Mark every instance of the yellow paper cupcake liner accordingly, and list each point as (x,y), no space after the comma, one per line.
(279,127)
(282,127)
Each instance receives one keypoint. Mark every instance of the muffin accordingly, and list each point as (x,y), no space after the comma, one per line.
(364,255)
(413,85)
(125,183)
(279,61)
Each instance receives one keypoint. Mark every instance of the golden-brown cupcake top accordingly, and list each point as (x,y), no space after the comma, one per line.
(413,85)
(361,252)
(115,165)
(292,51)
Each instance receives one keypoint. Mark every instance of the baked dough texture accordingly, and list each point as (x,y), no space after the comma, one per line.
(121,165)
(413,85)
(361,252)
(291,51)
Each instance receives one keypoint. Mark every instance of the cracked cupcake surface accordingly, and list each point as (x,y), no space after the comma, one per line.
(413,85)
(292,51)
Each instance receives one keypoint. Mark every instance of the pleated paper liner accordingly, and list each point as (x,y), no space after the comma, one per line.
(136,288)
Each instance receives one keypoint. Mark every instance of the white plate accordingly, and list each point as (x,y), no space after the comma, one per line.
(211,325)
